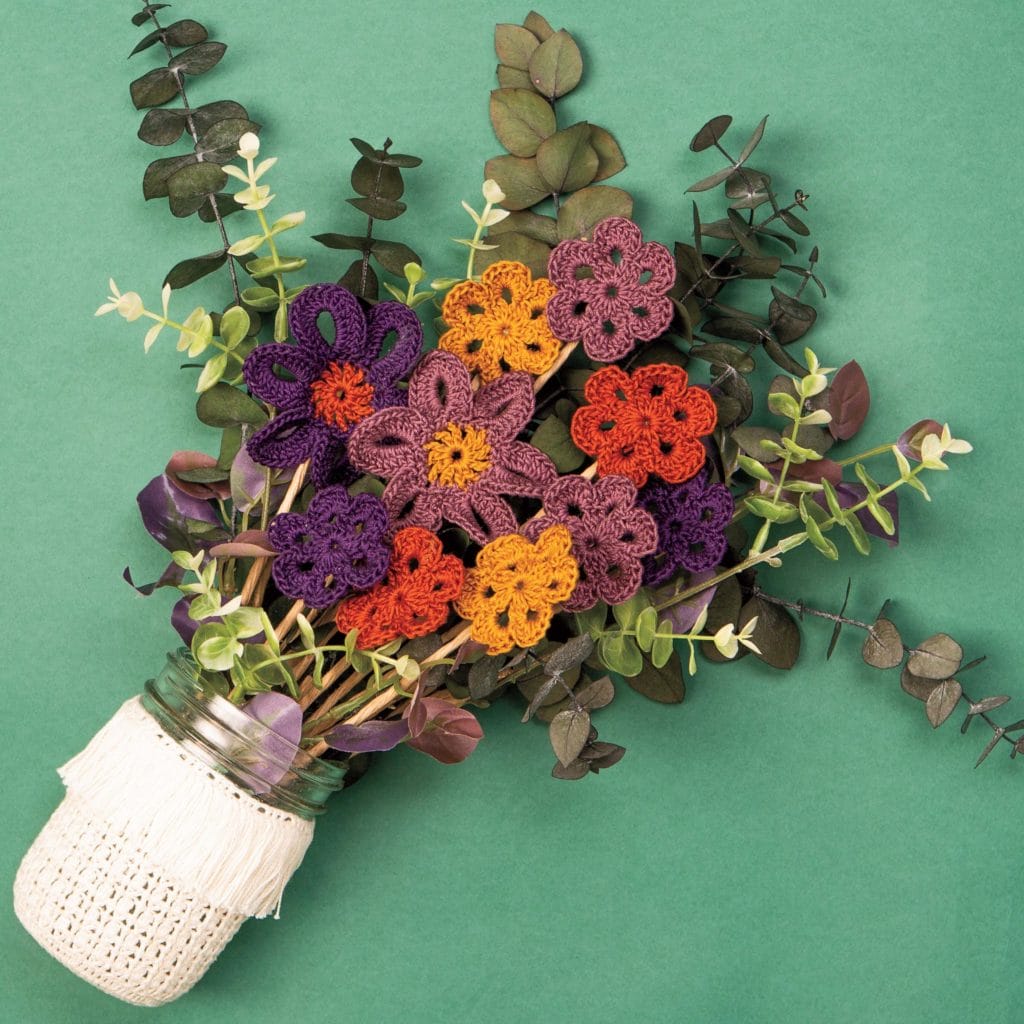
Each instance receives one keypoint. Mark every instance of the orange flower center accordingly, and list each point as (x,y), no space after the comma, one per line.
(342,396)
(457,456)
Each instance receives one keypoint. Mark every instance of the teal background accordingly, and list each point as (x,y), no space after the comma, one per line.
(795,847)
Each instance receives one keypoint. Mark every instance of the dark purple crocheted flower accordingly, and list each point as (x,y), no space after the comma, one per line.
(335,546)
(691,519)
(331,385)
(614,307)
(453,453)
(609,536)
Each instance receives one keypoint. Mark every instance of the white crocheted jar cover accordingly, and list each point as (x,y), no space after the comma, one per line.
(151,863)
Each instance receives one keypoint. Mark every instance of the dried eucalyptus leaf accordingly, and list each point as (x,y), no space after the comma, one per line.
(753,141)
(938,657)
(360,280)
(210,113)
(782,358)
(664,685)
(609,156)
(569,731)
(538,25)
(570,772)
(512,78)
(602,755)
(532,225)
(747,188)
(735,328)
(355,243)
(942,701)
(915,685)
(776,632)
(153,88)
(566,160)
(598,694)
(711,180)
(162,127)
(185,33)
(190,270)
(556,66)
(220,140)
(519,179)
(483,678)
(749,439)
(989,704)
(378,208)
(584,210)
(517,248)
(710,133)
(997,735)
(188,187)
(199,58)
(393,256)
(794,223)
(522,120)
(514,45)
(377,180)
(883,647)
(553,438)
(791,319)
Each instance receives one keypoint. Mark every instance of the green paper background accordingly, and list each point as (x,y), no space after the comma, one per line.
(781,847)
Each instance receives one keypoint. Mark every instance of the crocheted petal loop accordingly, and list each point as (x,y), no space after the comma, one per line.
(566,258)
(605,345)
(638,533)
(704,550)
(350,341)
(618,233)
(516,277)
(615,494)
(388,441)
(564,321)
(455,309)
(504,406)
(700,409)
(522,470)
(605,386)
(328,461)
(409,502)
(569,498)
(393,317)
(654,257)
(440,390)
(484,516)
(263,382)
(300,577)
(286,440)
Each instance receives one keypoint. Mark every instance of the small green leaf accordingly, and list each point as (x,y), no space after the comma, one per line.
(938,657)
(514,45)
(234,326)
(663,646)
(646,626)
(556,66)
(710,133)
(519,179)
(522,120)
(378,209)
(584,210)
(664,685)
(609,156)
(225,406)
(819,540)
(783,404)
(199,58)
(627,613)
(153,88)
(569,731)
(566,160)
(190,270)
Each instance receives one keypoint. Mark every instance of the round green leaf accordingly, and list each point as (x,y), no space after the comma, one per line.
(556,66)
(609,156)
(584,210)
(519,179)
(567,161)
(938,657)
(522,120)
(514,45)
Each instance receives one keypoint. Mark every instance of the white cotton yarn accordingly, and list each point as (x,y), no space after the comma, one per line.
(151,862)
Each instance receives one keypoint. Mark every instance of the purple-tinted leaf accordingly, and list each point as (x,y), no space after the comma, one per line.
(909,442)
(813,471)
(181,462)
(849,399)
(466,651)
(166,510)
(170,577)
(248,480)
(368,737)
(446,733)
(183,622)
(248,544)
(685,614)
(852,494)
(278,746)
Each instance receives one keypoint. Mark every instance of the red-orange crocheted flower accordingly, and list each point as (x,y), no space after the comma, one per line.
(413,600)
(645,422)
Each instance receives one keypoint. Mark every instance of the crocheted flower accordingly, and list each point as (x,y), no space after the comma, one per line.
(691,519)
(453,453)
(609,536)
(645,422)
(511,594)
(499,324)
(415,598)
(335,546)
(623,298)
(331,385)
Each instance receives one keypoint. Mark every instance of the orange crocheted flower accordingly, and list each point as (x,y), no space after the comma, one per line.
(645,422)
(413,600)
(511,594)
(498,323)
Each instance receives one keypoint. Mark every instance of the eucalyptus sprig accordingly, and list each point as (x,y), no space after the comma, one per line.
(377,180)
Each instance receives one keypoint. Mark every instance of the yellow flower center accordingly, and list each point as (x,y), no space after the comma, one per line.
(457,456)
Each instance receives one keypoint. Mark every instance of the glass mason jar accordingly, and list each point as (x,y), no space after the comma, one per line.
(182,817)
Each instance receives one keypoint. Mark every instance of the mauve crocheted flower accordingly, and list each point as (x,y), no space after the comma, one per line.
(624,298)
(646,422)
(609,536)
(453,454)
(332,385)
(335,546)
(691,519)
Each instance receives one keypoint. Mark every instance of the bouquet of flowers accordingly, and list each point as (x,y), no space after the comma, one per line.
(578,485)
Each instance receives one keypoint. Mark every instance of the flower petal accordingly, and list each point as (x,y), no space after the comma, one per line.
(519,469)
(504,406)
(440,390)
(350,344)
(386,318)
(389,441)
(483,515)
(286,440)
(568,257)
(304,365)
(410,502)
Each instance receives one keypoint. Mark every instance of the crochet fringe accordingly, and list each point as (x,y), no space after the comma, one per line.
(234,852)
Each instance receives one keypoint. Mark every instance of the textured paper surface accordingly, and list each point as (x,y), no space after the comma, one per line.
(779,848)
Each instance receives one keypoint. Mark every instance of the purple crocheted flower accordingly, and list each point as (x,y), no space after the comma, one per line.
(691,519)
(335,546)
(609,536)
(331,386)
(453,453)
(622,299)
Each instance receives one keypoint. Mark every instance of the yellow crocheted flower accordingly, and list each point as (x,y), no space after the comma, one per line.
(511,594)
(498,324)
